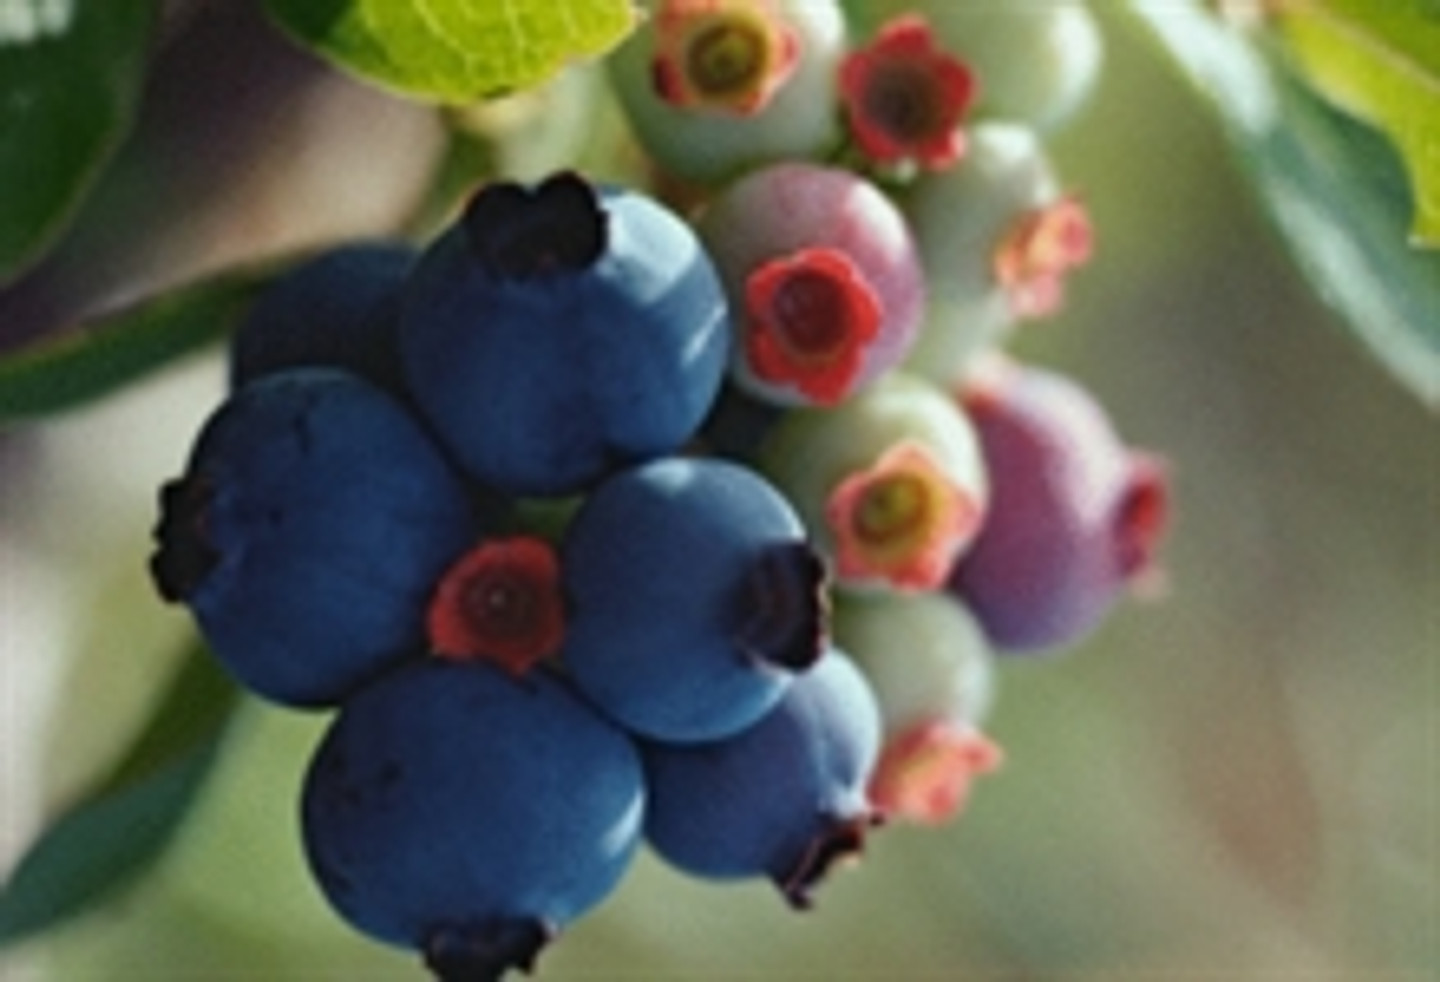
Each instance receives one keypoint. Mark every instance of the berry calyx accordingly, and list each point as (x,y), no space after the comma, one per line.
(925,772)
(905,96)
(185,555)
(841,841)
(787,607)
(811,316)
(500,601)
(724,55)
(902,520)
(483,953)
(1142,515)
(519,233)
(1037,252)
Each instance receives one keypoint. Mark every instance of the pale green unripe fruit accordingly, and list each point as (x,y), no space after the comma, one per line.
(960,218)
(709,146)
(924,654)
(1037,61)
(812,453)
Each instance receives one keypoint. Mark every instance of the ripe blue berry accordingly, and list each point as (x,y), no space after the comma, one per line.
(784,799)
(468,814)
(693,598)
(308,531)
(712,88)
(337,309)
(558,332)
(824,281)
(1076,516)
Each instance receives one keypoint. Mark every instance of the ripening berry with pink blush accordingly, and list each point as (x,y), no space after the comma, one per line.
(1076,516)
(824,280)
(905,97)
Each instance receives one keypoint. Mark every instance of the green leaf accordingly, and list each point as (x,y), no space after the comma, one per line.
(456,50)
(1381,63)
(70,76)
(104,354)
(1334,188)
(125,822)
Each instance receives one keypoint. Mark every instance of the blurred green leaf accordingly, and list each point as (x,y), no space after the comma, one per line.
(456,50)
(104,354)
(1334,188)
(125,822)
(70,76)
(1381,63)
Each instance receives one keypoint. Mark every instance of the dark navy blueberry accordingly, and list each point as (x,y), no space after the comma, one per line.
(338,309)
(783,799)
(693,597)
(470,814)
(307,534)
(556,333)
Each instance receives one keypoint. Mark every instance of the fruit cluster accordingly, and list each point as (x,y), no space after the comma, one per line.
(693,514)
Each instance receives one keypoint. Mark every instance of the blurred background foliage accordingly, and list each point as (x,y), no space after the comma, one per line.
(1239,777)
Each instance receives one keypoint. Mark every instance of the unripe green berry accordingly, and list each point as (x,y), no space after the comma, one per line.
(890,483)
(1036,61)
(712,89)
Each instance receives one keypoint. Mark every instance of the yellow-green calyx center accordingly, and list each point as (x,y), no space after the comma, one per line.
(725,55)
(726,61)
(891,508)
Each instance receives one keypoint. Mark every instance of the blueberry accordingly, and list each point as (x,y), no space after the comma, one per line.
(308,530)
(824,279)
(1035,62)
(890,484)
(784,798)
(712,89)
(933,672)
(1076,515)
(461,812)
(338,308)
(694,597)
(998,238)
(558,332)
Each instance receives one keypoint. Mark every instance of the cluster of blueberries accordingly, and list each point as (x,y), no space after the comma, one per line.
(602,519)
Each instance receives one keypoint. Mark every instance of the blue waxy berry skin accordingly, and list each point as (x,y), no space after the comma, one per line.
(469,814)
(557,332)
(693,597)
(339,309)
(306,535)
(784,798)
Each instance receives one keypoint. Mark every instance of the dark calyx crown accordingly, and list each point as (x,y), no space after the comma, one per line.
(519,233)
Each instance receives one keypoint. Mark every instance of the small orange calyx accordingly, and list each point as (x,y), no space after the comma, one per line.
(902,521)
(925,772)
(1038,251)
(725,55)
(811,316)
(500,601)
(905,96)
